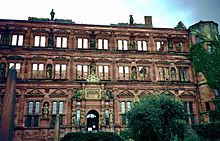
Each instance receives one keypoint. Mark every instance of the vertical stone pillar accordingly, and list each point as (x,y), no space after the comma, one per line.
(9,101)
(57,129)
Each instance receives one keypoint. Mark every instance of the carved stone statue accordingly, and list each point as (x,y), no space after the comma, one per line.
(49,71)
(92,40)
(83,119)
(173,74)
(170,45)
(103,119)
(108,95)
(46,110)
(52,13)
(73,118)
(161,75)
(132,44)
(93,68)
(134,73)
(111,117)
(6,36)
(131,20)
(2,70)
(51,39)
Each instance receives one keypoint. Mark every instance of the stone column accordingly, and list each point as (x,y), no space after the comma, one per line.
(57,129)
(9,101)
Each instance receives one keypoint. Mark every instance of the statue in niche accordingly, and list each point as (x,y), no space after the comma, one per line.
(92,68)
(2,70)
(111,117)
(161,76)
(73,118)
(132,44)
(6,36)
(92,40)
(170,45)
(80,94)
(103,119)
(134,73)
(46,110)
(173,74)
(83,119)
(51,39)
(49,71)
(52,14)
(166,74)
(131,20)
(108,95)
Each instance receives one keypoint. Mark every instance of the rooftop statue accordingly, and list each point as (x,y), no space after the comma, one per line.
(52,13)
(180,25)
(131,21)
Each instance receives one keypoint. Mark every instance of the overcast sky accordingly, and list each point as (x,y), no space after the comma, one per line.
(165,13)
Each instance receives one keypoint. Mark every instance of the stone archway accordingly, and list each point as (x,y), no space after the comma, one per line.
(92,121)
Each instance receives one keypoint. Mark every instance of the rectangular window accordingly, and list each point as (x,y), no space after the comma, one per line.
(32,119)
(183,74)
(40,41)
(102,44)
(144,73)
(17,67)
(37,70)
(158,45)
(82,43)
(60,71)
(61,107)
(107,117)
(123,107)
(142,45)
(78,117)
(17,40)
(188,107)
(129,105)
(122,45)
(61,42)
(54,108)
(123,72)
(82,71)
(103,72)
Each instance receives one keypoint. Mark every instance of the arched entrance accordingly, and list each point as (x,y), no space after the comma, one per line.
(92,120)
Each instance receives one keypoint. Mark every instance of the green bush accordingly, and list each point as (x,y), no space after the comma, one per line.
(209,131)
(99,136)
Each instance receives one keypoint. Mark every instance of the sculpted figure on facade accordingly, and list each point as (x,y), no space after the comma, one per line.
(134,73)
(2,70)
(131,20)
(49,71)
(132,44)
(73,118)
(92,68)
(111,118)
(51,39)
(161,76)
(92,40)
(6,36)
(173,74)
(46,110)
(103,119)
(52,14)
(83,119)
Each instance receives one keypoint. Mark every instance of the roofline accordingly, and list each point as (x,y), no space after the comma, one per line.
(201,22)
(92,25)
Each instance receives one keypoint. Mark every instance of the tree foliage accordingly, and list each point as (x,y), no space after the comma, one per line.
(157,117)
(208,63)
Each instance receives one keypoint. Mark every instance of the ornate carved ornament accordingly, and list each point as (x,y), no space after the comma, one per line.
(93,78)
(188,94)
(58,93)
(143,61)
(14,58)
(92,93)
(162,63)
(61,59)
(34,93)
(40,30)
(144,93)
(123,61)
(125,93)
(82,59)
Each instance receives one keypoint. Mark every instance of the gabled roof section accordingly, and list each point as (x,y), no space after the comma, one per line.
(125,93)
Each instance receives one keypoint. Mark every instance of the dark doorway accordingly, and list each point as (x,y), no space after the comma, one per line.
(92,121)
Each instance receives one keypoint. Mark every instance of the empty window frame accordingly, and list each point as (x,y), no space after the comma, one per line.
(17,40)
(142,45)
(123,72)
(37,70)
(82,43)
(61,42)
(40,41)
(60,71)
(82,71)
(17,67)
(102,44)
(122,45)
(103,72)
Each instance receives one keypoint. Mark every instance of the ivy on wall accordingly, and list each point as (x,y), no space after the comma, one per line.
(207,62)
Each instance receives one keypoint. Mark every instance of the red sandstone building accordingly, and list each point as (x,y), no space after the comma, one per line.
(91,74)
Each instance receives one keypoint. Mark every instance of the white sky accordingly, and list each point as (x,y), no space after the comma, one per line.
(165,13)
